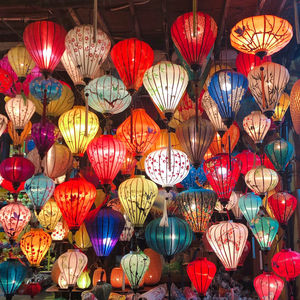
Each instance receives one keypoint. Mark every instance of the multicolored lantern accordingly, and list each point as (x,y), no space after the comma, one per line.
(250,205)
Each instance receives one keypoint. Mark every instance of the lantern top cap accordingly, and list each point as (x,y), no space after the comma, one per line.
(139,176)
(73,250)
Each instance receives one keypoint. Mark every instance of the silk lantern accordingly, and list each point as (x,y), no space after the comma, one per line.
(99,275)
(215,67)
(195,178)
(60,231)
(248,160)
(153,274)
(116,277)
(72,69)
(3,124)
(5,81)
(33,289)
(84,280)
(245,253)
(250,205)
(281,108)
(295,105)
(81,238)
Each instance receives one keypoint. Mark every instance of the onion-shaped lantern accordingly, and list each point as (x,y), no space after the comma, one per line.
(6,81)
(228,240)
(281,108)
(195,178)
(250,205)
(248,160)
(72,69)
(295,105)
(81,238)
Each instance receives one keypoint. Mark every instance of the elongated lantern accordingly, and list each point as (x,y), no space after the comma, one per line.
(281,108)
(268,286)
(295,105)
(250,205)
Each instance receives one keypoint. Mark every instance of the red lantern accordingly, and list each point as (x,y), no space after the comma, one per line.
(286,263)
(33,289)
(9,186)
(45,42)
(245,253)
(128,164)
(5,81)
(268,286)
(201,273)
(248,160)
(132,58)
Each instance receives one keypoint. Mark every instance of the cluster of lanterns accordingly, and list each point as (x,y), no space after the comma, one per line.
(200,151)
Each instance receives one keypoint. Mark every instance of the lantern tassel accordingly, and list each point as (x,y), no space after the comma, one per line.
(164,220)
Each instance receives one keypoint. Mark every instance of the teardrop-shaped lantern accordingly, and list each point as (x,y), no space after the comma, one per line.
(250,205)
(18,136)
(195,178)
(72,69)
(248,160)
(81,238)
(84,280)
(295,105)
(281,108)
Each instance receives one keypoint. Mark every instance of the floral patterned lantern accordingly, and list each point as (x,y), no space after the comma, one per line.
(195,178)
(250,205)
(60,231)
(248,160)
(295,105)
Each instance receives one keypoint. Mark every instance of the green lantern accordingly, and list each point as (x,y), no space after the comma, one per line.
(250,204)
(84,280)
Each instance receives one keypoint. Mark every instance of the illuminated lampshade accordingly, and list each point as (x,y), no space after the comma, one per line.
(72,125)
(194,45)
(261,180)
(295,105)
(71,265)
(104,226)
(128,164)
(264,229)
(3,124)
(261,35)
(268,286)
(86,54)
(197,207)
(250,205)
(107,95)
(227,88)
(201,273)
(18,139)
(81,238)
(137,196)
(143,133)
(34,245)
(135,264)
(195,138)
(195,178)
(106,155)
(19,111)
(62,283)
(12,274)
(128,230)
(228,240)
(132,58)
(84,280)
(168,240)
(222,173)
(286,263)
(14,217)
(167,169)
(245,253)
(268,92)
(223,208)
(215,67)
(248,160)
(45,42)
(75,198)
(281,108)
(60,232)
(71,69)
(6,81)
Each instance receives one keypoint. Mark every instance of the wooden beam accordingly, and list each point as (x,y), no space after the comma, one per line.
(74,16)
(281,7)
(135,20)
(104,27)
(260,6)
(165,28)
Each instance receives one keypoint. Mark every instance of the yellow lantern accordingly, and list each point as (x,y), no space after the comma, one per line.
(72,125)
(84,280)
(281,107)
(18,139)
(266,203)
(81,238)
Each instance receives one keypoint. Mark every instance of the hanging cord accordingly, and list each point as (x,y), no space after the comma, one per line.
(95,19)
(194,17)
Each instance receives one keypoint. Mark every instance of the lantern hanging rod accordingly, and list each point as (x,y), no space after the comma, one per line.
(260,7)
(137,27)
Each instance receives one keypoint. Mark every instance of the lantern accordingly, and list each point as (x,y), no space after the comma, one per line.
(72,69)
(18,137)
(222,173)
(153,274)
(138,132)
(75,198)
(81,238)
(33,289)
(264,229)
(87,50)
(132,58)
(261,35)
(195,138)
(194,41)
(72,125)
(116,277)
(34,245)
(245,253)
(215,67)
(84,280)
(197,207)
(71,265)
(201,273)
(248,160)
(168,240)
(286,263)
(99,275)
(281,108)
(137,196)
(195,178)
(128,230)
(45,42)
(106,155)
(295,105)
(61,230)
(128,164)
(228,240)
(227,88)
(102,290)
(3,123)
(250,205)
(62,283)
(267,93)
(268,286)
(5,81)
(233,200)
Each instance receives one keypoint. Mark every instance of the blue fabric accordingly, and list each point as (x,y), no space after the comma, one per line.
(194,174)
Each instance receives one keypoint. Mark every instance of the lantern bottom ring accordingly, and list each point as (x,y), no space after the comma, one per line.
(261,54)
(269,113)
(228,122)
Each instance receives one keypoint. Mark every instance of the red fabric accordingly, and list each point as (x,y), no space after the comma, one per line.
(8,186)
(247,159)
(6,81)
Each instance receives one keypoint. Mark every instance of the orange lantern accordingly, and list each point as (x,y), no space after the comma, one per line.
(18,139)
(116,277)
(153,274)
(97,276)
(128,164)
(295,105)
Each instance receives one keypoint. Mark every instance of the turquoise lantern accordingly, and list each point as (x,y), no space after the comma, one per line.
(12,274)
(249,205)
(194,178)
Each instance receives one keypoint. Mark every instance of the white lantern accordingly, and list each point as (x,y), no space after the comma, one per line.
(236,209)
(3,123)
(233,200)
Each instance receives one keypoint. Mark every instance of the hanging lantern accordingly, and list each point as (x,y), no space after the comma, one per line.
(195,178)
(45,42)
(72,125)
(195,138)
(281,108)
(197,206)
(71,265)
(62,283)
(75,198)
(233,200)
(143,133)
(137,196)
(227,88)
(201,273)
(132,58)
(215,67)
(248,160)
(84,280)
(33,289)
(250,205)
(228,240)
(18,139)
(286,263)
(245,253)
(71,69)
(81,238)
(264,229)
(295,106)
(5,81)
(34,245)
(128,230)
(60,232)
(3,124)
(268,286)
(128,164)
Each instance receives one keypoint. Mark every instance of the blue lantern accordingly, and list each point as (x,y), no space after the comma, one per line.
(104,227)
(227,89)
(168,240)
(195,178)
(39,189)
(12,274)
(249,205)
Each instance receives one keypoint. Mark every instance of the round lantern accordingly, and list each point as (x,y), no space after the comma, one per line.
(84,280)
(250,205)
(45,42)
(3,124)
(60,231)
(245,253)
(248,160)
(295,106)
(72,125)
(228,240)
(201,273)
(286,263)
(281,108)
(71,69)
(116,277)
(153,274)
(132,58)
(268,286)
(197,206)
(75,198)
(81,238)
(87,50)
(195,178)
(137,196)
(34,245)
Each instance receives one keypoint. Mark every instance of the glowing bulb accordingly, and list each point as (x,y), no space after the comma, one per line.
(222,171)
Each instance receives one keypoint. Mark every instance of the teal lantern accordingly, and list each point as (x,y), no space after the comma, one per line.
(250,204)
(280,153)
(264,229)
